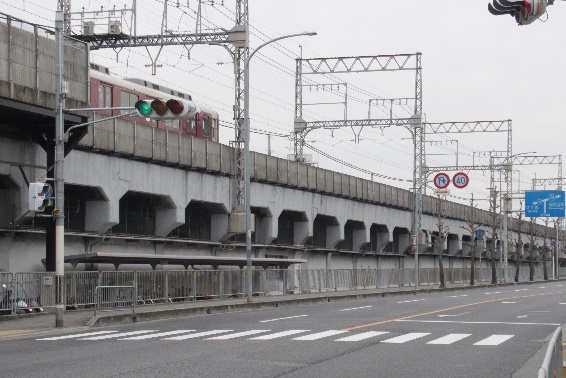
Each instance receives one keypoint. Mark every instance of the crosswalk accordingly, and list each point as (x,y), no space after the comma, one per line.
(293,334)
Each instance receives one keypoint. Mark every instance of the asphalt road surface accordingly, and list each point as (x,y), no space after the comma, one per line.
(474,333)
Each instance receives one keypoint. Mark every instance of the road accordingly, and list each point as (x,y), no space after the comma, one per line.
(473,333)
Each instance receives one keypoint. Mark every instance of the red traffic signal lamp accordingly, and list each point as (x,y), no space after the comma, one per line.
(524,11)
(164,110)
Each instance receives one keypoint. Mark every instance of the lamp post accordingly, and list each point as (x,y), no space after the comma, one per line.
(247,159)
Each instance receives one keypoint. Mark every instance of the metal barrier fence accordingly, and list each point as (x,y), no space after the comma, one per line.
(187,285)
(552,366)
(115,298)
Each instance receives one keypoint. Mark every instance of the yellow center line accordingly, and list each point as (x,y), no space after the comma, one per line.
(448,309)
(15,332)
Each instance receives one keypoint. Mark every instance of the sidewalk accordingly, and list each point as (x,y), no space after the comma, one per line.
(44,323)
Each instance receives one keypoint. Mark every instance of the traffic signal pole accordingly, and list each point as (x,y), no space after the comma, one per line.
(59,211)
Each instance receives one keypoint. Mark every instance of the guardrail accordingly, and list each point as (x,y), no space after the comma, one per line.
(552,366)
(115,298)
(83,289)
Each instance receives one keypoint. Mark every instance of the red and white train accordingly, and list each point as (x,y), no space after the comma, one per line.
(107,91)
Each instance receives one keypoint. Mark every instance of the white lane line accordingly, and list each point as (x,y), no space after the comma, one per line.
(456,296)
(289,317)
(362,336)
(116,335)
(521,289)
(445,315)
(450,339)
(355,308)
(319,335)
(494,292)
(561,303)
(404,338)
(414,300)
(462,322)
(494,340)
(200,334)
(542,287)
(160,334)
(77,335)
(238,334)
(279,334)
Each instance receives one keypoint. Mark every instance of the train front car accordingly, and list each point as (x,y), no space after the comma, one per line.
(111,92)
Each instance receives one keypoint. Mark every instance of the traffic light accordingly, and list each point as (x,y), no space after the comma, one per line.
(164,110)
(39,196)
(524,11)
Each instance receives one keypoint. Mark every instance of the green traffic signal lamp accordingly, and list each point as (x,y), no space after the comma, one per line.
(143,108)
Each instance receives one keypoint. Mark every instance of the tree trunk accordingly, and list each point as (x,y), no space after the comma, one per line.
(441,267)
(544,268)
(517,266)
(493,265)
(531,265)
(473,265)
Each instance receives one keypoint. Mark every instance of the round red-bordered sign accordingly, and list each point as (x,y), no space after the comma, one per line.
(460,180)
(441,180)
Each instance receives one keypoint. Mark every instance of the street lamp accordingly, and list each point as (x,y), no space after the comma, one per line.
(247,159)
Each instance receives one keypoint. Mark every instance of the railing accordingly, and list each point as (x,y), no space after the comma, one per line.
(165,286)
(115,298)
(552,366)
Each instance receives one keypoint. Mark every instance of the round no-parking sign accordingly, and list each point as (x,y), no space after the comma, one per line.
(460,180)
(441,180)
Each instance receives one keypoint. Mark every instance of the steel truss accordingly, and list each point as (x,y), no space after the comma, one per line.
(375,63)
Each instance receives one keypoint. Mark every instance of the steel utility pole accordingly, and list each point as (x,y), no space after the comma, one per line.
(59,211)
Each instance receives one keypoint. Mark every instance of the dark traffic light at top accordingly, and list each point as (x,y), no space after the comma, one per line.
(524,11)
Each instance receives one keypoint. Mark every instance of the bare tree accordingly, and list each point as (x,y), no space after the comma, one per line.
(471,228)
(519,247)
(545,248)
(493,237)
(440,237)
(532,249)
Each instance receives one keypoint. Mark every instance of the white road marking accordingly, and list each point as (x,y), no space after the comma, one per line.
(456,296)
(200,334)
(160,334)
(562,303)
(355,308)
(238,334)
(462,322)
(404,338)
(521,289)
(77,335)
(279,334)
(116,335)
(362,336)
(319,335)
(494,292)
(414,300)
(450,339)
(522,316)
(442,316)
(542,287)
(494,340)
(289,317)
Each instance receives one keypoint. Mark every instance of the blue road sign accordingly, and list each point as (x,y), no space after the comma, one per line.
(480,234)
(544,203)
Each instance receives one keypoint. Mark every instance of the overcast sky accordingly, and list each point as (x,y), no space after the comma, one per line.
(476,67)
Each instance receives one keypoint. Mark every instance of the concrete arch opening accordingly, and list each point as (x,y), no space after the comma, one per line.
(354,235)
(401,240)
(292,228)
(139,211)
(379,237)
(325,231)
